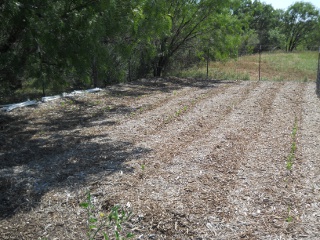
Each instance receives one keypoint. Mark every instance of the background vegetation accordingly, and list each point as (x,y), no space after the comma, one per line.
(56,45)
(274,66)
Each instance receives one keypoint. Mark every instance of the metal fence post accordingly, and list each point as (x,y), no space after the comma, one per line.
(208,59)
(260,63)
(318,75)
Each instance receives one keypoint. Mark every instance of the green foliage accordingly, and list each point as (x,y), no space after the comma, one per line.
(277,38)
(83,43)
(182,24)
(258,20)
(299,21)
(98,221)
(277,28)
(51,43)
(312,39)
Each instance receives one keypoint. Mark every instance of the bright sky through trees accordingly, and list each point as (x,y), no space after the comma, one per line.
(284,4)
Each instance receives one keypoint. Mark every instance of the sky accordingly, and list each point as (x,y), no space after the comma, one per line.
(284,4)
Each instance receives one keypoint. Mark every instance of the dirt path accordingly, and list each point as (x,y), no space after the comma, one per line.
(214,156)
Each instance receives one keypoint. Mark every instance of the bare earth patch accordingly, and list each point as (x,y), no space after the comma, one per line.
(192,159)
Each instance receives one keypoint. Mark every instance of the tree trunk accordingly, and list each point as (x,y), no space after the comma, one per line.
(160,66)
(94,73)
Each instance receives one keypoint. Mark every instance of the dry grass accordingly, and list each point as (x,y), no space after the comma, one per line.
(277,66)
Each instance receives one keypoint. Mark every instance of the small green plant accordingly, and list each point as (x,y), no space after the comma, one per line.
(181,110)
(143,167)
(289,164)
(97,222)
(295,129)
(290,218)
(109,108)
(293,147)
(291,156)
(168,119)
(133,113)
(142,173)
(177,113)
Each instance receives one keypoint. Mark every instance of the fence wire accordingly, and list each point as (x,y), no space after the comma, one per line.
(270,63)
(318,75)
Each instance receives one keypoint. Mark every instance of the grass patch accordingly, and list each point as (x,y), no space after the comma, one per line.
(300,66)
(275,66)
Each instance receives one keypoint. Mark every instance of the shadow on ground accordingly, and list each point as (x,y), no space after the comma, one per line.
(60,147)
(40,154)
(147,86)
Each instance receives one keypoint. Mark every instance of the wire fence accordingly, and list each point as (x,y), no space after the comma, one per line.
(277,66)
(318,75)
(272,64)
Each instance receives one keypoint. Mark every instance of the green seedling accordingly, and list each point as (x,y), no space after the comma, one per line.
(289,165)
(289,219)
(293,147)
(291,156)
(100,223)
(109,108)
(141,174)
(168,119)
(294,131)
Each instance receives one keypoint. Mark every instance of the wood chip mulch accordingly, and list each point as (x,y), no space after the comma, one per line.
(192,159)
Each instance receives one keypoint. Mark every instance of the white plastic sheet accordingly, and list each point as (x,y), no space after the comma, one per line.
(10,107)
(50,98)
(79,92)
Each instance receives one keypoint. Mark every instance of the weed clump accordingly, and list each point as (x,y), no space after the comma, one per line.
(102,223)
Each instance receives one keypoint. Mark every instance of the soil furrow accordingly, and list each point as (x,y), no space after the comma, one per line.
(192,159)
(197,121)
(262,198)
(306,171)
(153,119)
(175,181)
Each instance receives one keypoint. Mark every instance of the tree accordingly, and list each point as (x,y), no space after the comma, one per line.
(44,41)
(76,43)
(132,29)
(298,22)
(183,21)
(260,21)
